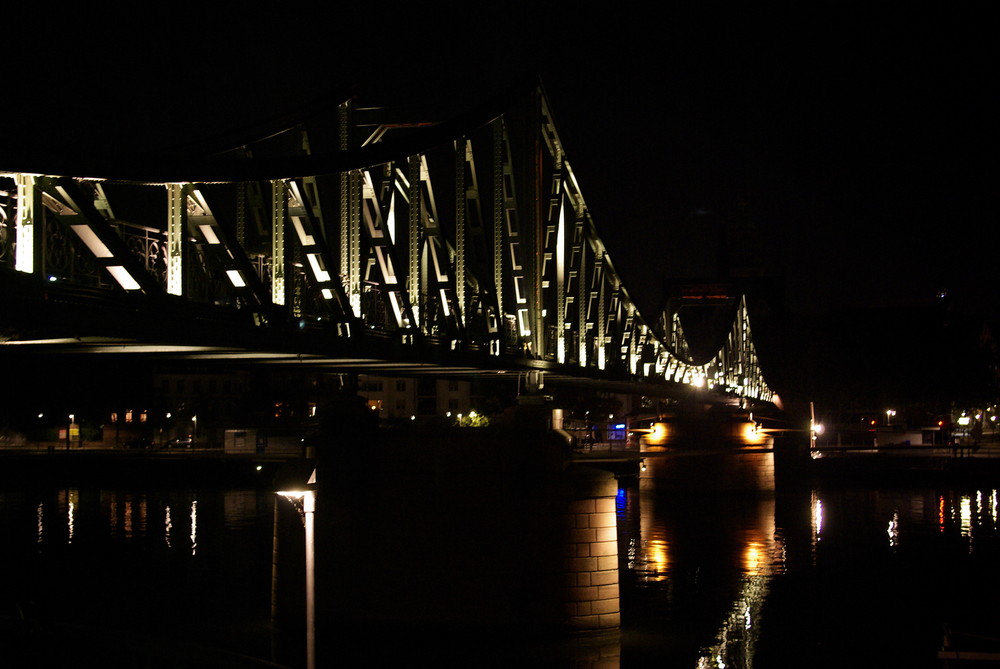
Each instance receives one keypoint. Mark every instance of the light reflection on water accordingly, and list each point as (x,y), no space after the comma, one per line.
(715,566)
(686,552)
(127,565)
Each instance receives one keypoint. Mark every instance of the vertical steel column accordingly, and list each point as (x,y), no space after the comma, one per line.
(539,229)
(279,205)
(632,334)
(560,283)
(241,214)
(350,218)
(418,302)
(24,220)
(498,226)
(176,223)
(583,304)
(601,317)
(460,222)
(354,243)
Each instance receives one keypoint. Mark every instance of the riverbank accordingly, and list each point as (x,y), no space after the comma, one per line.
(895,465)
(189,467)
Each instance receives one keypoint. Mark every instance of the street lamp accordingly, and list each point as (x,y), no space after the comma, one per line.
(305,501)
(889,413)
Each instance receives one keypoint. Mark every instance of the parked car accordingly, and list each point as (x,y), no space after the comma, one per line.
(139,442)
(181,442)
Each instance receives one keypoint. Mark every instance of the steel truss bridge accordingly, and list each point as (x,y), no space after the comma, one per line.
(368,238)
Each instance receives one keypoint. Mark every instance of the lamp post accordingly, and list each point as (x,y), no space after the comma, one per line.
(305,502)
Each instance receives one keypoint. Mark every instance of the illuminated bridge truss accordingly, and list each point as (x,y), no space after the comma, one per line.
(734,369)
(469,237)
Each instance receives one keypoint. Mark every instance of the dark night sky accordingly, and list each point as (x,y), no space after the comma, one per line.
(861,139)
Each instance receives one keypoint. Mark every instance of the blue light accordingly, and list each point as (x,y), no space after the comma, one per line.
(619,426)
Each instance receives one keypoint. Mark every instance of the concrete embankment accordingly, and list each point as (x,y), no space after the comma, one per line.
(121,469)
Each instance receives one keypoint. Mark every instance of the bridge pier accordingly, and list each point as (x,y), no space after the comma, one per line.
(709,470)
(592,552)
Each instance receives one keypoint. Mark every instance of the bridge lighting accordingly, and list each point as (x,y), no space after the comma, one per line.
(123,278)
(236,278)
(209,232)
(657,436)
(317,266)
(90,239)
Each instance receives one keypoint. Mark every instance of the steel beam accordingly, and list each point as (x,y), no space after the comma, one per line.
(24,220)
(176,223)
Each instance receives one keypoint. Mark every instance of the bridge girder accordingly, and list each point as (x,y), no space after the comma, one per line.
(479,244)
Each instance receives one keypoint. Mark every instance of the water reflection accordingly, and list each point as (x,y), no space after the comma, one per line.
(194,526)
(706,580)
(763,558)
(707,562)
(737,582)
(129,560)
(816,508)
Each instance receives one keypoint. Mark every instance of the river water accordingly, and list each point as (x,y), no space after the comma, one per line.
(213,577)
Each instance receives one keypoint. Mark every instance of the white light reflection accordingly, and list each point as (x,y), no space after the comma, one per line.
(893,530)
(39,513)
(736,640)
(128,516)
(966,515)
(817,523)
(74,498)
(993,507)
(194,526)
(168,525)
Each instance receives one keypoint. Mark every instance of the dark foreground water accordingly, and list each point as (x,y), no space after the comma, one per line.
(178,578)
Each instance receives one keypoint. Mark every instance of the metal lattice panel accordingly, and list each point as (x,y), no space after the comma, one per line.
(469,237)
